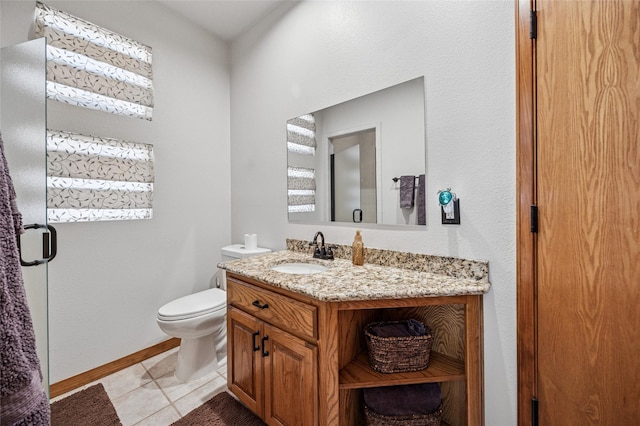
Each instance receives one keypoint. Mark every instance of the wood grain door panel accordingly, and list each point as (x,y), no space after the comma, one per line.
(588,271)
(291,376)
(245,372)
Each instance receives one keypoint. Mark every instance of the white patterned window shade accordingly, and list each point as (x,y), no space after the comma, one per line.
(301,189)
(91,178)
(301,135)
(92,67)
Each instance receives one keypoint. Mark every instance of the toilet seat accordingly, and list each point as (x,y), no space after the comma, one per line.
(194,305)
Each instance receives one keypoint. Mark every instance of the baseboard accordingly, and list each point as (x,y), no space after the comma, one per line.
(97,373)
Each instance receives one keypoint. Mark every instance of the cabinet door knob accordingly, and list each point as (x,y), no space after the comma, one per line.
(255,346)
(257,304)
(264,353)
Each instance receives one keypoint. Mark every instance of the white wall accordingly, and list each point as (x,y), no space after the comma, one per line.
(321,53)
(109,278)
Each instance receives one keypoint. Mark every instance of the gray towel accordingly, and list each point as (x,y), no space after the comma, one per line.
(407,191)
(407,328)
(22,399)
(422,213)
(404,400)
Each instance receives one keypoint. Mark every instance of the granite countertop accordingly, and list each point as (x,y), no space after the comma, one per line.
(343,281)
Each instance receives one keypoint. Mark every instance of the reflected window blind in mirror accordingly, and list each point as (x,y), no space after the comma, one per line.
(92,67)
(301,135)
(301,180)
(301,189)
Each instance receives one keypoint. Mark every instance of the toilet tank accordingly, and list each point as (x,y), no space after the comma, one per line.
(239,251)
(232,252)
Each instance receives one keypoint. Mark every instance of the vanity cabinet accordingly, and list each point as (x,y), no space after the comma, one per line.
(303,361)
(272,371)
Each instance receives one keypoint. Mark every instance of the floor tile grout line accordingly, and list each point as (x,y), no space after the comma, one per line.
(163,394)
(204,383)
(147,372)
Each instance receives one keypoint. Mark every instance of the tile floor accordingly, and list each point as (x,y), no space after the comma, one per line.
(148,394)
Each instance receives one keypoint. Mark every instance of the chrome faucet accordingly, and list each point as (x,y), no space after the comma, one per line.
(320,251)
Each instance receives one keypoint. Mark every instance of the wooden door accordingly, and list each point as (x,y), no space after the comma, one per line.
(244,366)
(291,397)
(579,322)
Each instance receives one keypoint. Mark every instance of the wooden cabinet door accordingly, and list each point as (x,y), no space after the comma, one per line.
(244,368)
(588,190)
(291,397)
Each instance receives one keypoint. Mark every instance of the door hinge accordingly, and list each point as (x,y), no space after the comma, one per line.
(533,24)
(534,219)
(534,412)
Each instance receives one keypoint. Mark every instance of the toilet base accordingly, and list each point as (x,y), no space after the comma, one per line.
(197,359)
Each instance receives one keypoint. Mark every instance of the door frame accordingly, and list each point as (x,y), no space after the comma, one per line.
(526,196)
(325,143)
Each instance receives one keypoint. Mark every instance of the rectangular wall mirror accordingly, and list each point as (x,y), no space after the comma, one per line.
(345,161)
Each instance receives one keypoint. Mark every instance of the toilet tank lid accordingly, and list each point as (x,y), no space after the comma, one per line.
(239,251)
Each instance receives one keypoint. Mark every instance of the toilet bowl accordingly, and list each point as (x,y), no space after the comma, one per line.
(199,320)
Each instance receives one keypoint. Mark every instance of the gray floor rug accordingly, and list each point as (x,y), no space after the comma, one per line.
(89,407)
(221,410)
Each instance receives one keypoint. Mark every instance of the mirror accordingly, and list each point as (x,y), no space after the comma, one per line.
(345,162)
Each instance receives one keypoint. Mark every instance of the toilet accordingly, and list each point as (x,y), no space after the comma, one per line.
(199,320)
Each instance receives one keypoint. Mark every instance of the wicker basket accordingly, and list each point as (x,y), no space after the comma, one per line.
(398,354)
(374,419)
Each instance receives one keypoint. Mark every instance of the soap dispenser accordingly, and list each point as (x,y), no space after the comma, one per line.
(357,250)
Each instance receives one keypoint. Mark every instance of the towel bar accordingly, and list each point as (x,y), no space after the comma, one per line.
(395,179)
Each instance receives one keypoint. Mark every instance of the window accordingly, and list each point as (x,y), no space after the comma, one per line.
(91,178)
(93,67)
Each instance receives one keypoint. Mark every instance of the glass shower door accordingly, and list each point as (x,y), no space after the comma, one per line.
(23,126)
(346,184)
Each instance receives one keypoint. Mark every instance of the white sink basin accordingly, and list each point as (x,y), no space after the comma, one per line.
(299,268)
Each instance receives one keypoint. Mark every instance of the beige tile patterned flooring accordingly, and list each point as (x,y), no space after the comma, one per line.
(148,394)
